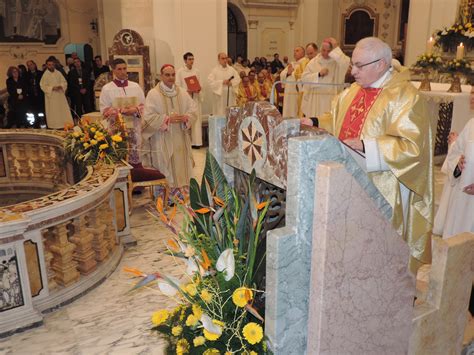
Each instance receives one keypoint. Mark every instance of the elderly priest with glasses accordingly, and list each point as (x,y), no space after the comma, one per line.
(384,118)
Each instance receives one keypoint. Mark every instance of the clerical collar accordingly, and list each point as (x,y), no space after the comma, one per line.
(165,90)
(379,83)
(121,83)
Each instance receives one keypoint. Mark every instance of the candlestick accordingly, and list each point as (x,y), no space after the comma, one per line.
(460,51)
(429,45)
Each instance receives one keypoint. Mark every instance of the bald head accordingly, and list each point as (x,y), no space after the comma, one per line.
(222,58)
(298,53)
(311,50)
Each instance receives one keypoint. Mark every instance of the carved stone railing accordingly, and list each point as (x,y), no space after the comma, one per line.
(55,247)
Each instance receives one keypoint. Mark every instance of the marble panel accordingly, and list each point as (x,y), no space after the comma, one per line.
(440,321)
(361,296)
(256,137)
(289,249)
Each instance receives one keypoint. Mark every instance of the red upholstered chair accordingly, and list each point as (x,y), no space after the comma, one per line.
(142,177)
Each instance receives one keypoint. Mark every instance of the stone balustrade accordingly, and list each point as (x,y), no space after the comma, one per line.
(55,247)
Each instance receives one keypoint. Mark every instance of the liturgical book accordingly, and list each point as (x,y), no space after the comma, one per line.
(192,83)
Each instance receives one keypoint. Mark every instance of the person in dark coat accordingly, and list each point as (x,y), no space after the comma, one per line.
(34,92)
(17,99)
(79,78)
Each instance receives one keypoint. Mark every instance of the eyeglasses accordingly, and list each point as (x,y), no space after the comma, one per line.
(360,66)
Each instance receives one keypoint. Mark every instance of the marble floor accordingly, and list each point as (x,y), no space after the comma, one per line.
(109,319)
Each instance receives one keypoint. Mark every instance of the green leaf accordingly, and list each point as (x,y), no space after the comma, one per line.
(214,175)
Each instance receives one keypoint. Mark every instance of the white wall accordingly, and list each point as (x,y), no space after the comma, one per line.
(199,27)
(425,17)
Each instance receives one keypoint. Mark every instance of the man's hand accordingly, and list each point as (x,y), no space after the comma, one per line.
(469,189)
(129,110)
(83,91)
(323,72)
(57,88)
(461,163)
(305,121)
(452,137)
(227,82)
(355,143)
(290,69)
(333,42)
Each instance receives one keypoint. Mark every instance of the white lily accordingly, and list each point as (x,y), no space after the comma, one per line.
(191,266)
(226,263)
(167,288)
(209,325)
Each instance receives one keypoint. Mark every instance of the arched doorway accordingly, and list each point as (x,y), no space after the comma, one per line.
(236,32)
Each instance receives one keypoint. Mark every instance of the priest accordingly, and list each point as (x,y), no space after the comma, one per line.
(169,115)
(456,209)
(247,92)
(54,86)
(292,74)
(329,69)
(224,82)
(126,98)
(188,78)
(383,116)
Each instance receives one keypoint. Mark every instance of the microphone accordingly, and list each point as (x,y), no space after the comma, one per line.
(232,77)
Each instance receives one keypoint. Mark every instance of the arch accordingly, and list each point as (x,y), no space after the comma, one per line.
(358,22)
(236,32)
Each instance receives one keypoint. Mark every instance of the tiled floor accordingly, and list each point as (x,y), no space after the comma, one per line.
(109,319)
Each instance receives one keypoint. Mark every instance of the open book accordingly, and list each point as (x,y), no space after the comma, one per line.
(123,102)
(359,157)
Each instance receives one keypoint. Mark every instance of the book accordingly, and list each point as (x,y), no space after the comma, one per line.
(123,102)
(192,83)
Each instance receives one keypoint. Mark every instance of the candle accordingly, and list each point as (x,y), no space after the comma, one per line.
(460,51)
(429,46)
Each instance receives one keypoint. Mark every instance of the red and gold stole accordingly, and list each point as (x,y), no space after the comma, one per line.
(248,92)
(357,112)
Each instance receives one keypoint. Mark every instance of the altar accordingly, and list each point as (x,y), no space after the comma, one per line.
(451,110)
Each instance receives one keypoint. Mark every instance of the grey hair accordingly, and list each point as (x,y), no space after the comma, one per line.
(379,48)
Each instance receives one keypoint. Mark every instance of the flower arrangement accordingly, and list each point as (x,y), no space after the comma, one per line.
(457,66)
(89,143)
(428,61)
(449,37)
(223,250)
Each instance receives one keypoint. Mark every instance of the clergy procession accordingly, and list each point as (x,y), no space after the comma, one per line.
(318,199)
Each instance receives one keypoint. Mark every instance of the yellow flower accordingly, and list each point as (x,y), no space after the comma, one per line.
(86,145)
(242,296)
(253,353)
(228,353)
(103,146)
(198,341)
(159,317)
(206,296)
(197,311)
(93,142)
(176,331)
(211,336)
(182,347)
(76,134)
(191,320)
(116,138)
(191,289)
(211,351)
(93,129)
(253,333)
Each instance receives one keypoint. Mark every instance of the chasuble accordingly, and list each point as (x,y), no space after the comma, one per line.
(394,118)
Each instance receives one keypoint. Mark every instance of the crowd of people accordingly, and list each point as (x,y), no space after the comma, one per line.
(33,96)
